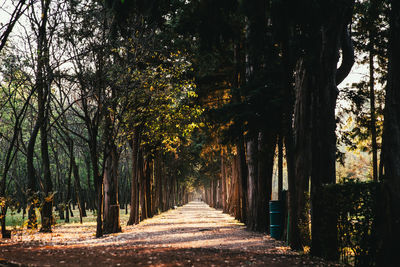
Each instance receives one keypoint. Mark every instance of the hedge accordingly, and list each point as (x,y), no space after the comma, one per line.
(354,206)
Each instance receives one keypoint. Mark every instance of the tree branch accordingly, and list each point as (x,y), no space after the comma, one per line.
(347,56)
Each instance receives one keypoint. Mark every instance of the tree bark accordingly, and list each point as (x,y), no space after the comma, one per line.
(214,183)
(98,183)
(372,114)
(148,182)
(77,183)
(160,187)
(280,167)
(252,181)
(68,198)
(43,84)
(134,208)
(391,146)
(32,178)
(111,204)
(235,184)
(223,184)
(317,78)
(266,152)
(142,186)
(90,190)
(242,174)
(167,194)
(324,125)
(299,233)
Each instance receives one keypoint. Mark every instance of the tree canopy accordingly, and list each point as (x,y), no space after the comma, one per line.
(149,104)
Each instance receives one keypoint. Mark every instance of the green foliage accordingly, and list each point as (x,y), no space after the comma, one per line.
(11,206)
(369,35)
(162,101)
(354,206)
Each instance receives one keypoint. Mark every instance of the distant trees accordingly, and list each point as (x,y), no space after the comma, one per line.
(97,75)
(149,99)
(369,32)
(9,93)
(238,60)
(13,112)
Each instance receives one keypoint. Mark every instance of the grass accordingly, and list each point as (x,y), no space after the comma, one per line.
(15,220)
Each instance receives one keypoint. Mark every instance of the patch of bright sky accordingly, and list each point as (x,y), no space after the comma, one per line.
(358,73)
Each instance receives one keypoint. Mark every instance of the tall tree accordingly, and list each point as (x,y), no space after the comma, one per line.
(89,49)
(43,81)
(325,32)
(391,145)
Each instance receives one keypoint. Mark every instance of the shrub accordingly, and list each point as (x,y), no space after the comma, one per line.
(354,206)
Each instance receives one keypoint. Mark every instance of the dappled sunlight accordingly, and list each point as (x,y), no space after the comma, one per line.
(194,233)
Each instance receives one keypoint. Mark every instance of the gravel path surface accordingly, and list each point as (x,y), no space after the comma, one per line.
(192,235)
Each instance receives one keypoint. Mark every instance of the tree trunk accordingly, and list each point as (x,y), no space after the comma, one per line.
(302,161)
(43,86)
(280,167)
(240,169)
(223,184)
(46,212)
(242,173)
(111,207)
(218,192)
(134,209)
(68,198)
(148,188)
(159,174)
(372,15)
(32,179)
(254,67)
(317,77)
(167,193)
(97,181)
(372,113)
(326,78)
(315,141)
(214,193)
(252,182)
(173,190)
(78,190)
(391,146)
(142,186)
(266,148)
(90,190)
(236,188)
(288,60)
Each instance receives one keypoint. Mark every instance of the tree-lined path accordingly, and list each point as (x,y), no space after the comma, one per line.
(192,235)
(120,110)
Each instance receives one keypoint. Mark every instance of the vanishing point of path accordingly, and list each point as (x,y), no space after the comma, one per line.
(192,235)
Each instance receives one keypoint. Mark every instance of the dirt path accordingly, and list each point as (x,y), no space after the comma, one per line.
(192,235)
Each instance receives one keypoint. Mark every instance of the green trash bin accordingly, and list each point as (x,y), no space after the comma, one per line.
(275,218)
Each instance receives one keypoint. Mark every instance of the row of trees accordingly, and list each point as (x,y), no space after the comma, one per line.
(274,77)
(99,90)
(269,73)
(106,77)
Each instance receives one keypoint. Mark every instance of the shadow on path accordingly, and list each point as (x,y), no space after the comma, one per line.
(192,235)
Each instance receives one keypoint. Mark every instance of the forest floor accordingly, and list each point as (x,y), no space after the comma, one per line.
(192,235)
